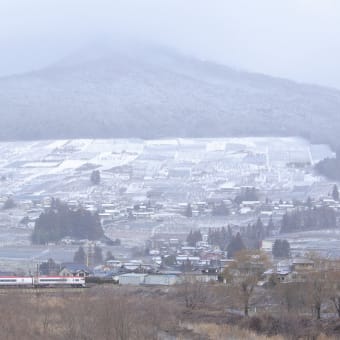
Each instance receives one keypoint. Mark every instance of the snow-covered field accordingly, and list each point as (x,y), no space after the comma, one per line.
(44,166)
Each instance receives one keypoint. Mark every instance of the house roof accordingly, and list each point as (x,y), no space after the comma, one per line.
(302,261)
(133,275)
(75,267)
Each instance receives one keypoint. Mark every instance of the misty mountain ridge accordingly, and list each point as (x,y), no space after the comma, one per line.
(153,92)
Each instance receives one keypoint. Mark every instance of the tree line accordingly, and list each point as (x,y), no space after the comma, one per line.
(330,167)
(59,221)
(250,237)
(303,219)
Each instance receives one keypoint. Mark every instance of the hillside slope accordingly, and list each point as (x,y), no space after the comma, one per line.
(154,92)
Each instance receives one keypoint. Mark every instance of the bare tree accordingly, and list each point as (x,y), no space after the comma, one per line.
(244,273)
(333,284)
(316,287)
(194,292)
(292,295)
(317,283)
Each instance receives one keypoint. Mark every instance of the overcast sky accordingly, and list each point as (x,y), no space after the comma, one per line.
(297,39)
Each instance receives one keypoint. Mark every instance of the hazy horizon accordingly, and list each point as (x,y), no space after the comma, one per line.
(297,39)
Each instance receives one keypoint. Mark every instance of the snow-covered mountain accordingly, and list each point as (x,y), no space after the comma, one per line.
(153,92)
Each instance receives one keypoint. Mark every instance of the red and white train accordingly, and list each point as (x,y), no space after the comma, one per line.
(42,281)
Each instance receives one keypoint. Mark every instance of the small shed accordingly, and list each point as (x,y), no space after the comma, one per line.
(161,279)
(132,279)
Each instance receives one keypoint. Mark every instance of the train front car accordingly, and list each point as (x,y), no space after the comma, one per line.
(78,281)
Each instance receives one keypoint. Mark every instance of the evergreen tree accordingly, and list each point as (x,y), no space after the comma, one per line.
(235,246)
(270,227)
(169,260)
(9,204)
(188,211)
(190,237)
(285,223)
(80,256)
(224,238)
(197,236)
(220,210)
(220,237)
(98,255)
(335,193)
(247,194)
(59,221)
(95,177)
(330,167)
(309,202)
(281,249)
(109,256)
(194,237)
(117,242)
(317,218)
(230,232)
(49,268)
(259,230)
(186,266)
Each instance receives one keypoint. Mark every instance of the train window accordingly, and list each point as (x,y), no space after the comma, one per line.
(53,280)
(8,280)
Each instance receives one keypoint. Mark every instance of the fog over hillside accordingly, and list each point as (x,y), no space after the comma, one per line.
(153,92)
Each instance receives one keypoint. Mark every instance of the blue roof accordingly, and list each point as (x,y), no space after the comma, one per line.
(75,267)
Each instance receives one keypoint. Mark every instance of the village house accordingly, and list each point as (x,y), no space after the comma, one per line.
(74,269)
(301,264)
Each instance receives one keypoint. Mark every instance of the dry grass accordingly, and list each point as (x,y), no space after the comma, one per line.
(103,315)
(121,313)
(219,332)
